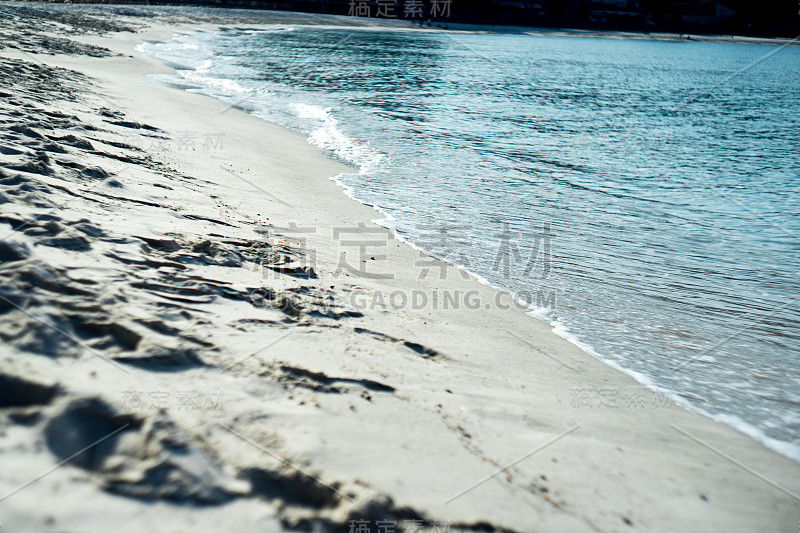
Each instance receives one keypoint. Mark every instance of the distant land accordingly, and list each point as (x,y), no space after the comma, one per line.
(725,17)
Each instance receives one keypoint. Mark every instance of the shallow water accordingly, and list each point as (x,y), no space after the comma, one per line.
(645,204)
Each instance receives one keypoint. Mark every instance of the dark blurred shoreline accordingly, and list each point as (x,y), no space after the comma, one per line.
(733,17)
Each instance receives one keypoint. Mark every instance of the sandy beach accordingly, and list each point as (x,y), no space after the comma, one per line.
(202,332)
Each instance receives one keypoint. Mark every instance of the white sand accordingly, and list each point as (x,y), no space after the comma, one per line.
(305,414)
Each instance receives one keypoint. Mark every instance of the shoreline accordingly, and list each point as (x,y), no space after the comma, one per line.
(611,471)
(783,447)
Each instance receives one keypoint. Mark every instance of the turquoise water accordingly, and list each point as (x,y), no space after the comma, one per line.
(662,202)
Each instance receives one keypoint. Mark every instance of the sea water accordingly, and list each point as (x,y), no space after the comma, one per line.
(641,196)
